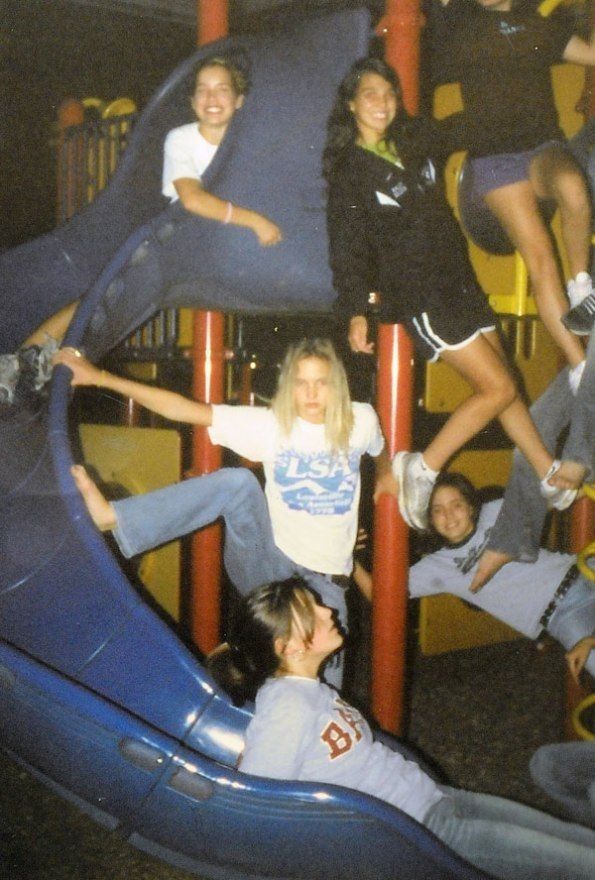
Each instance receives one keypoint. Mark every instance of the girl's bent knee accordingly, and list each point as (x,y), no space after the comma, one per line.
(240,479)
(504,394)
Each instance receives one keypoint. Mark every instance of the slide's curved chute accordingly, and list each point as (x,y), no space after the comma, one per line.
(98,695)
(270,161)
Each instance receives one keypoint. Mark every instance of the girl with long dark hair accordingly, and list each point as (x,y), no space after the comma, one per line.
(397,255)
(303,730)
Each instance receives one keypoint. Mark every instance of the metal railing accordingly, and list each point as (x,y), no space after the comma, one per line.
(88,155)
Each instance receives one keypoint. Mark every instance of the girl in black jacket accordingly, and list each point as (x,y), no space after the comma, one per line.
(397,255)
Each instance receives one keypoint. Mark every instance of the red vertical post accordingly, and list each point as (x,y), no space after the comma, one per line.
(582,524)
(70,112)
(401,29)
(208,364)
(391,556)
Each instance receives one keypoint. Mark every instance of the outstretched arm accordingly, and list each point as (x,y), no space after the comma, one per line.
(165,403)
(199,201)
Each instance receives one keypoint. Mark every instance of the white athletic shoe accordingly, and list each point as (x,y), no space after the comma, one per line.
(560,499)
(575,374)
(416,481)
(579,288)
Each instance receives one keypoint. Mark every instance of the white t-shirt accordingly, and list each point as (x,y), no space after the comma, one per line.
(185,154)
(303,730)
(518,594)
(312,495)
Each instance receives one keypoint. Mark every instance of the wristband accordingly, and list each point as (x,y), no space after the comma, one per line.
(228,213)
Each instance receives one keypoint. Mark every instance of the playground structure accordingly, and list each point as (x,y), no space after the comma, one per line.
(165,758)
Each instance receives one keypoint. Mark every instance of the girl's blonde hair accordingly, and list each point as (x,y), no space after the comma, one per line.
(339,412)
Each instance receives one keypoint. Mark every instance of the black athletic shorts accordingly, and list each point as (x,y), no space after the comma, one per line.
(448,324)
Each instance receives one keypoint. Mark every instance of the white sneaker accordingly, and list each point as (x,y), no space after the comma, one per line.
(575,374)
(560,499)
(416,481)
(579,288)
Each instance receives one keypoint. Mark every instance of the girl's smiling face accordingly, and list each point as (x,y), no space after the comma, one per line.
(374,107)
(451,515)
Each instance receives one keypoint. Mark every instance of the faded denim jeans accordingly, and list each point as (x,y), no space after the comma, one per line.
(566,772)
(519,526)
(510,840)
(250,554)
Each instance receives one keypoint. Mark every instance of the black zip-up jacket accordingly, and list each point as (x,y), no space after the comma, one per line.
(392,232)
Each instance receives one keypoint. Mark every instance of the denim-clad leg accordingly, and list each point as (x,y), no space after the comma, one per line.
(519,526)
(566,772)
(250,554)
(580,445)
(510,840)
(574,618)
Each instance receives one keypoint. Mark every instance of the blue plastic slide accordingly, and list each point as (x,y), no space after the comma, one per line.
(156,256)
(98,696)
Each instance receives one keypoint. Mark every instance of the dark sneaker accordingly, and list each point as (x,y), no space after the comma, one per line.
(35,363)
(9,376)
(581,318)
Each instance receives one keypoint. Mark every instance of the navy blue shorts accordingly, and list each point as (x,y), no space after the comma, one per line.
(503,169)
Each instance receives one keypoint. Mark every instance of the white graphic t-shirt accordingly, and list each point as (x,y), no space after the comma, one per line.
(312,493)
(517,594)
(185,154)
(303,730)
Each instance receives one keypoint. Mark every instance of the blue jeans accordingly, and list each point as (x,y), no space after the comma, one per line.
(574,618)
(519,526)
(250,554)
(566,772)
(510,840)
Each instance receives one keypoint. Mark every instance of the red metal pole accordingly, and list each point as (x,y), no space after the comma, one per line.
(582,524)
(70,112)
(212,19)
(391,557)
(208,359)
(400,27)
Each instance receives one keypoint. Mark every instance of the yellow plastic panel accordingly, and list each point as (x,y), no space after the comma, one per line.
(185,328)
(569,82)
(141,459)
(445,622)
(534,352)
(484,467)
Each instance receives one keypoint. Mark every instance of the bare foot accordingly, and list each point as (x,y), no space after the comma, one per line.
(100,510)
(490,562)
(570,475)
